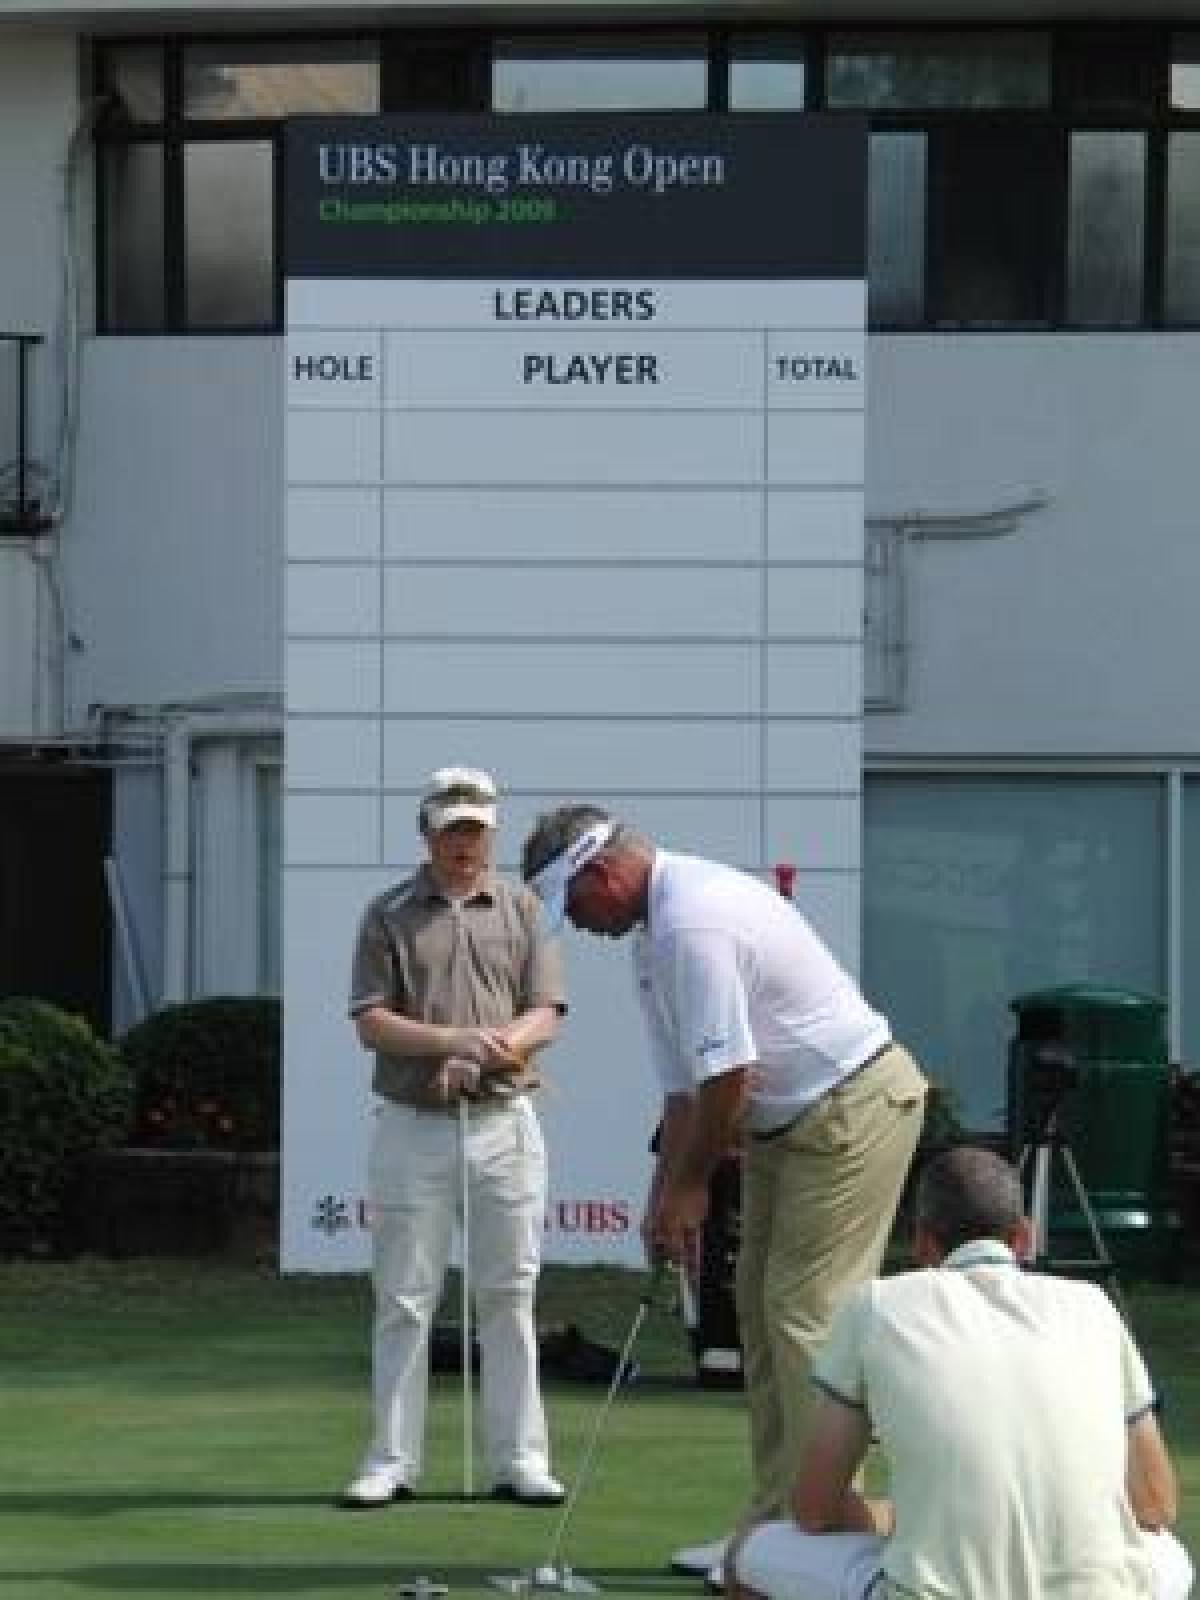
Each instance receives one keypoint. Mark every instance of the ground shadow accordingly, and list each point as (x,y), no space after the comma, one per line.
(231,1580)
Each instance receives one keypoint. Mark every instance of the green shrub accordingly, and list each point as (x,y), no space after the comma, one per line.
(207,1075)
(64,1093)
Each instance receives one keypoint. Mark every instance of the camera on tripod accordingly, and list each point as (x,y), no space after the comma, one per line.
(1051,1072)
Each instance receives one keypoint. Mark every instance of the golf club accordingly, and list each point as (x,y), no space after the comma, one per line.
(468,1420)
(553,1573)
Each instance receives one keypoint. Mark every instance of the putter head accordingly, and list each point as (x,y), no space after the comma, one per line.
(560,1580)
(423,1588)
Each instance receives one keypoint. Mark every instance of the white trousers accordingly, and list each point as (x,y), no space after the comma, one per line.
(779,1561)
(415,1196)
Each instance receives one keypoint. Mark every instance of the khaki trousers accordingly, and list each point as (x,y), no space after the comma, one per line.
(818,1202)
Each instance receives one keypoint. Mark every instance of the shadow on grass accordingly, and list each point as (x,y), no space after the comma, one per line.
(229,1579)
(90,1503)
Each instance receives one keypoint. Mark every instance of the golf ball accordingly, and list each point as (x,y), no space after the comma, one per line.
(547,1577)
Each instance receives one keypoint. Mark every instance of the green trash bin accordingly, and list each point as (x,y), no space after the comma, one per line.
(1113,1113)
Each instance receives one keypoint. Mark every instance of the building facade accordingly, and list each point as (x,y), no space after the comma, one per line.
(1027,806)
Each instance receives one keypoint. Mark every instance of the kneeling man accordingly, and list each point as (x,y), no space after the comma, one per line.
(1016,1415)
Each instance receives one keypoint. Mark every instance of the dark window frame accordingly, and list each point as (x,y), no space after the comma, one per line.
(1157,120)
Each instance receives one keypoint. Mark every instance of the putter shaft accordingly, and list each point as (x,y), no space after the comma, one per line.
(585,1465)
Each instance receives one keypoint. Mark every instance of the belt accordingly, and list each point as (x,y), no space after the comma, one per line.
(786,1127)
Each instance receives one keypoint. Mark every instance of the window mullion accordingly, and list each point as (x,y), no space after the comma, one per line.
(1154,305)
(175,245)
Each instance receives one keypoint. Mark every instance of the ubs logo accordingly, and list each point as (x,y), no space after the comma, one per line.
(588,1216)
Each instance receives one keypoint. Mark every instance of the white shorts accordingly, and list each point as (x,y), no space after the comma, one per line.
(784,1564)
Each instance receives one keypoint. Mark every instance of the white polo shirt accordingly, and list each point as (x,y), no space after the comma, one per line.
(1001,1399)
(728,972)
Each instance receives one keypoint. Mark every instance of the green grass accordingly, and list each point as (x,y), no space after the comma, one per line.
(170,1429)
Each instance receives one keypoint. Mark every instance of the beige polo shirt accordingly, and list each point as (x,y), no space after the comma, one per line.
(476,963)
(1001,1399)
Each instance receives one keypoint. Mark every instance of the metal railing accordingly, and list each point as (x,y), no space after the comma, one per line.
(22,511)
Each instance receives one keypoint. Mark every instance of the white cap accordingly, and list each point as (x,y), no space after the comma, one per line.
(550,883)
(458,794)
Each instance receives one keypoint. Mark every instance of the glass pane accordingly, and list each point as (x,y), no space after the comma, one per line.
(1183,228)
(979,889)
(993,239)
(1191,922)
(228,229)
(766,73)
(134,280)
(1106,228)
(896,229)
(134,72)
(899,71)
(599,75)
(1185,71)
(270,871)
(269,79)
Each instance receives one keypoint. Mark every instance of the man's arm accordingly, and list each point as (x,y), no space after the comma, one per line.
(393,1034)
(823,1497)
(698,1132)
(531,1031)
(1149,1475)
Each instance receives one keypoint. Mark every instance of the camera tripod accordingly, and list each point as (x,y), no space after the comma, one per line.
(1051,1145)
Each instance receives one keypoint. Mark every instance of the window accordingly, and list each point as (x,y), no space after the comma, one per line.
(187,172)
(1020,177)
(767,72)
(978,889)
(1106,228)
(923,71)
(133,264)
(231,81)
(228,211)
(1183,227)
(605,73)
(1185,71)
(896,229)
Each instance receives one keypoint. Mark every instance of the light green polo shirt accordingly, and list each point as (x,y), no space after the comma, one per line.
(1001,1399)
(478,962)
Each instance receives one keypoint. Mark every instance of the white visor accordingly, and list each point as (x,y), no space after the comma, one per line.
(550,884)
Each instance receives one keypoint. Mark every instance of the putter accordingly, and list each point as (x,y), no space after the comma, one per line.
(468,1421)
(554,1573)
(423,1587)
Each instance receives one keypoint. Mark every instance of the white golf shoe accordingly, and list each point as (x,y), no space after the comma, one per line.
(375,1486)
(698,1560)
(529,1486)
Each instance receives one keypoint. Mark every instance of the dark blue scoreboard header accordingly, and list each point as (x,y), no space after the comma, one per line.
(670,196)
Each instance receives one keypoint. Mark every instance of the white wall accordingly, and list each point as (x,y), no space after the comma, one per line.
(1072,635)
(175,552)
(39,105)
(1076,633)
(38,110)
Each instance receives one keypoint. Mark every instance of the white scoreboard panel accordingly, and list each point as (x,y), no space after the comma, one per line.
(575,452)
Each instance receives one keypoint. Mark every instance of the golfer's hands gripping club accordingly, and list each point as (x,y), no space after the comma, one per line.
(458,1077)
(673,1229)
(484,1066)
(487,1048)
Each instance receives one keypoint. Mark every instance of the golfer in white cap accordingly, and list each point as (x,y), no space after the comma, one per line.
(455,985)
